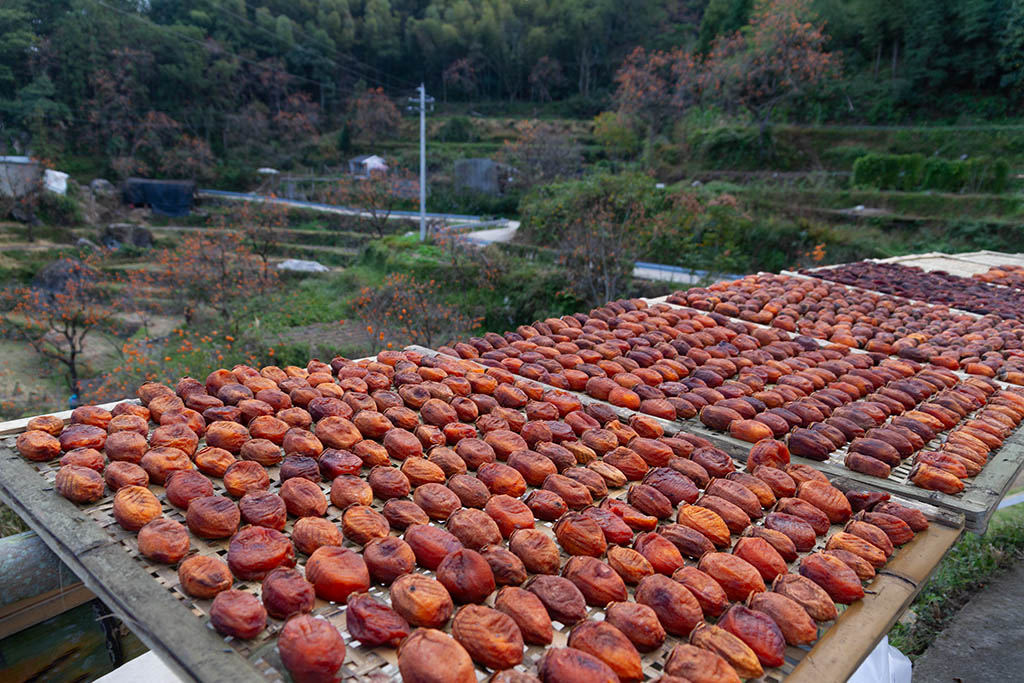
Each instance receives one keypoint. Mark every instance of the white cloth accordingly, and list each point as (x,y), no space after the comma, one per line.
(55,181)
(885,664)
(146,667)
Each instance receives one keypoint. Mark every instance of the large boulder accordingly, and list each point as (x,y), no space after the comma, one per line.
(102,189)
(117,234)
(100,201)
(56,275)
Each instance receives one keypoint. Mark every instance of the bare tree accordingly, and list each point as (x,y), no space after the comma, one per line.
(541,154)
(601,246)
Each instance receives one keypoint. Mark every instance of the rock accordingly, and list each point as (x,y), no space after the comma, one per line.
(56,275)
(117,234)
(103,188)
(300,266)
(86,243)
(100,202)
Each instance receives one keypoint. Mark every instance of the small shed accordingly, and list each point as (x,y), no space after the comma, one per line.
(365,164)
(19,175)
(482,175)
(166,197)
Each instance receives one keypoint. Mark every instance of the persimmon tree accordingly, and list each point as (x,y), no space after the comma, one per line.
(541,153)
(460,76)
(372,308)
(375,195)
(601,246)
(653,87)
(414,310)
(780,55)
(58,320)
(373,114)
(262,225)
(546,77)
(216,270)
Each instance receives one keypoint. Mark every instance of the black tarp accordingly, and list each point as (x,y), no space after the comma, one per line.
(167,197)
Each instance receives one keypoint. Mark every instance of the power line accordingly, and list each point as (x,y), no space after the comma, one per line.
(345,68)
(203,43)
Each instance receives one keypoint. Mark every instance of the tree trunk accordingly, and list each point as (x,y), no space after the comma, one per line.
(895,56)
(761,137)
(73,380)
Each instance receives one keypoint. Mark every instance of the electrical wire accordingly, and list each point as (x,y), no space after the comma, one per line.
(351,72)
(176,34)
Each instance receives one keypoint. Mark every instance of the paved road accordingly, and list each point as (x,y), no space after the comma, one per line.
(329,208)
(504,233)
(485,237)
(985,641)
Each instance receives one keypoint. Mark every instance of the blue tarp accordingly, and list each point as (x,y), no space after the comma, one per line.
(166,197)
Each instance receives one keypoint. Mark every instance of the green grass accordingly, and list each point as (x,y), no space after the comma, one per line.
(972,563)
(10,523)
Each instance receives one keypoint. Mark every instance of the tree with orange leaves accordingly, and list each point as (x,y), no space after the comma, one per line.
(58,316)
(778,56)
(376,195)
(411,309)
(262,225)
(215,269)
(374,114)
(654,87)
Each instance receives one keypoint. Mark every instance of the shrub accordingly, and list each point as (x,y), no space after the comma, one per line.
(889,171)
(548,209)
(911,172)
(458,129)
(986,175)
(58,209)
(613,132)
(944,175)
(738,147)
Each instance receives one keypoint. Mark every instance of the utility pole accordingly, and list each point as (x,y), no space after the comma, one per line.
(421,103)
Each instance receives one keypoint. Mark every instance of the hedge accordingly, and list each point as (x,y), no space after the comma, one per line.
(913,172)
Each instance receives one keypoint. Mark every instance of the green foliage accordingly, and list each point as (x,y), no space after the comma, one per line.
(547,210)
(843,156)
(889,171)
(721,18)
(613,132)
(731,146)
(910,172)
(56,209)
(445,199)
(236,177)
(458,129)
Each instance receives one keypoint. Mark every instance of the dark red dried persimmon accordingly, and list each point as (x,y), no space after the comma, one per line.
(238,614)
(255,550)
(373,623)
(311,649)
(285,592)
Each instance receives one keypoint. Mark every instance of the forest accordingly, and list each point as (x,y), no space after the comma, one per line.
(196,81)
